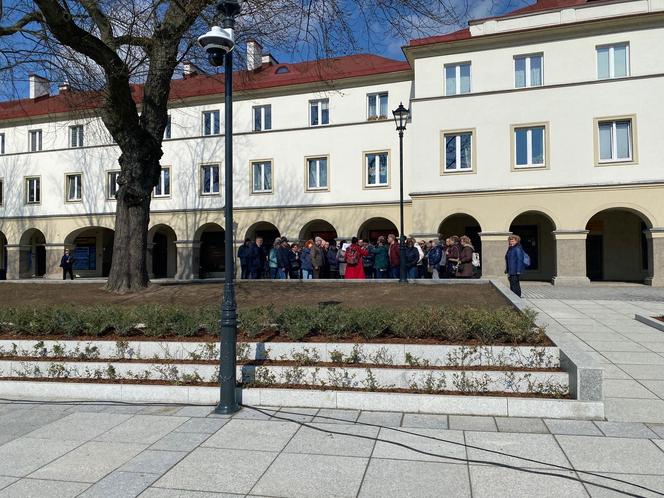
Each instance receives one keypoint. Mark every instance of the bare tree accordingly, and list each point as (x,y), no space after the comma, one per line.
(104,47)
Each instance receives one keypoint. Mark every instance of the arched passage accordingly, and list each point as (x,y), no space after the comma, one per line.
(3,256)
(32,259)
(617,246)
(265,230)
(376,227)
(318,228)
(536,231)
(92,248)
(163,251)
(211,253)
(462,224)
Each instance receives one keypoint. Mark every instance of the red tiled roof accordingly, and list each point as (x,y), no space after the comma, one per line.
(322,70)
(464,34)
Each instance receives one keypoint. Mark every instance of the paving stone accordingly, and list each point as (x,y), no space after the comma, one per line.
(296,475)
(626,429)
(576,427)
(634,410)
(146,429)
(79,426)
(297,414)
(89,462)
(134,409)
(24,455)
(619,455)
(655,386)
(194,411)
(659,443)
(250,414)
(179,493)
(644,372)
(153,461)
(435,444)
(472,423)
(202,425)
(540,447)
(385,419)
(120,484)
(655,482)
(635,358)
(405,478)
(260,435)
(328,416)
(36,488)
(180,441)
(614,388)
(657,429)
(424,421)
(23,420)
(161,410)
(6,481)
(218,470)
(617,346)
(517,424)
(308,440)
(493,482)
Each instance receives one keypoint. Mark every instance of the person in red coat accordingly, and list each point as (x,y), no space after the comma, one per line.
(354,263)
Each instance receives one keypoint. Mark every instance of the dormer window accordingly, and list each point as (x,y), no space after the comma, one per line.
(282,70)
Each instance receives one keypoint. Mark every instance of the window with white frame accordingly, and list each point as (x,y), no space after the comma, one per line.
(613,61)
(35,140)
(528,70)
(167,130)
(261,177)
(209,179)
(317,178)
(76,136)
(529,147)
(262,117)
(33,190)
(377,105)
(319,112)
(615,141)
(112,185)
(2,143)
(211,122)
(458,151)
(74,187)
(376,169)
(163,188)
(457,78)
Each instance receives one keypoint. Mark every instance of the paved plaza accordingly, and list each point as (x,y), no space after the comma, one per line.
(60,449)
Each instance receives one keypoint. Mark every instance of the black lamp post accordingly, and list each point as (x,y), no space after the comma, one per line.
(401,115)
(219,44)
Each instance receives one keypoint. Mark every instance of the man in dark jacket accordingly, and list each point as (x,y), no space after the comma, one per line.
(435,259)
(368,260)
(67,265)
(243,254)
(514,263)
(332,260)
(394,255)
(256,260)
(317,256)
(283,259)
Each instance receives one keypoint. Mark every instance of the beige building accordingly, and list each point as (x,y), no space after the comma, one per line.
(545,123)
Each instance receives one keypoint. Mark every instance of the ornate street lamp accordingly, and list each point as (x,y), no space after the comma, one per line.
(401,115)
(219,44)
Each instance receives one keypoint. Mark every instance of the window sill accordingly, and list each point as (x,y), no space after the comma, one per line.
(619,162)
(524,167)
(458,171)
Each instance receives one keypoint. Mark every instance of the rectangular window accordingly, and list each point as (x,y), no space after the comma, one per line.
(209,179)
(615,141)
(163,188)
(112,185)
(317,173)
(458,151)
(528,71)
(261,177)
(210,122)
(32,190)
(74,187)
(319,112)
(529,147)
(35,143)
(167,130)
(613,61)
(2,143)
(76,136)
(262,117)
(377,171)
(457,78)
(377,105)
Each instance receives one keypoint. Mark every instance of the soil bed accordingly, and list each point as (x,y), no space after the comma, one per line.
(254,293)
(660,318)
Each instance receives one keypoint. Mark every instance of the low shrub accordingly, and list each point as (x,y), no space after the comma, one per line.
(448,324)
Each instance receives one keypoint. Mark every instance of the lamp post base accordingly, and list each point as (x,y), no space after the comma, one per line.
(227,409)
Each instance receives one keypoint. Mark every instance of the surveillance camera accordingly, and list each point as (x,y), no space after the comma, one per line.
(217,43)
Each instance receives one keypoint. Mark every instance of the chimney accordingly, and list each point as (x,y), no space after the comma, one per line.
(254,55)
(64,87)
(189,69)
(39,86)
(268,59)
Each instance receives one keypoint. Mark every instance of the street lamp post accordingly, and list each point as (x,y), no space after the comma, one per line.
(219,44)
(401,115)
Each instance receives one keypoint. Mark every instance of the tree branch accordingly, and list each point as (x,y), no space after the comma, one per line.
(105,28)
(20,24)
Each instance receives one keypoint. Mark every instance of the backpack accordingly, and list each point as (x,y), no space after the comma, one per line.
(476,259)
(435,255)
(352,256)
(526,259)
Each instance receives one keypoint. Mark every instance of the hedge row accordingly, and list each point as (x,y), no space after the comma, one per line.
(442,323)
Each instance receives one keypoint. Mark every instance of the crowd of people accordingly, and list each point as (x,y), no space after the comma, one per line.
(451,257)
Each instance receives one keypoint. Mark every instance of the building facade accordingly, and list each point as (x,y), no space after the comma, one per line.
(545,123)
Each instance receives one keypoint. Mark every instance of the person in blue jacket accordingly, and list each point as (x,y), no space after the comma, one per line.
(514,263)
